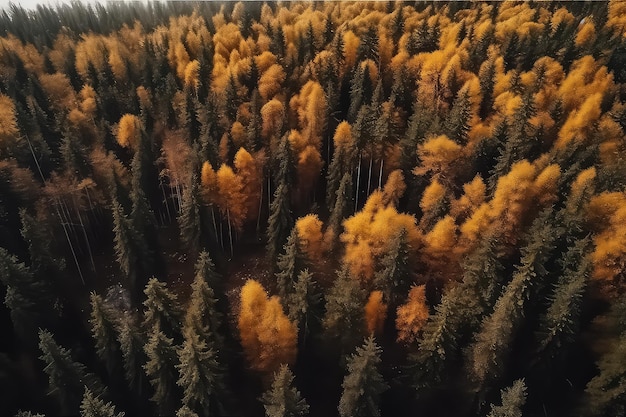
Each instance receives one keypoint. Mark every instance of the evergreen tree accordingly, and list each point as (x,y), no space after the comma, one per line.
(185,411)
(456,124)
(205,268)
(28,414)
(200,375)
(303,303)
(341,209)
(189,219)
(92,406)
(343,320)
(132,343)
(283,399)
(363,384)
(67,379)
(202,316)
(281,219)
(489,353)
(161,369)
(162,309)
(289,264)
(104,333)
(394,276)
(513,399)
(43,262)
(30,300)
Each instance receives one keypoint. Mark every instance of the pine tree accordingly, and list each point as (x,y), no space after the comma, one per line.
(283,399)
(28,414)
(29,299)
(289,264)
(343,320)
(200,375)
(202,316)
(363,384)
(303,303)
(281,219)
(456,124)
(185,411)
(43,262)
(394,276)
(104,333)
(92,406)
(67,379)
(489,354)
(161,369)
(132,343)
(162,309)
(341,210)
(513,400)
(189,219)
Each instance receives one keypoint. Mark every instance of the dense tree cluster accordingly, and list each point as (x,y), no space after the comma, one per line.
(313,208)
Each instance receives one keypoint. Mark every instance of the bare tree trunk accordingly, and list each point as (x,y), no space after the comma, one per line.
(369,177)
(258,217)
(230,233)
(167,206)
(69,241)
(222,233)
(358,180)
(80,219)
(380,174)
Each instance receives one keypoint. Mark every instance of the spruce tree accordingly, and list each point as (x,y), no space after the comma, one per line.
(341,209)
(283,399)
(43,262)
(343,320)
(456,124)
(363,384)
(303,303)
(605,394)
(161,369)
(200,375)
(67,379)
(162,309)
(92,406)
(202,316)
(289,264)
(28,414)
(394,276)
(189,220)
(132,343)
(489,354)
(513,400)
(185,411)
(281,219)
(103,330)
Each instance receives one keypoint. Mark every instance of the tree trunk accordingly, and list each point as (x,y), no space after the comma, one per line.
(358,180)
(369,177)
(230,233)
(80,219)
(380,174)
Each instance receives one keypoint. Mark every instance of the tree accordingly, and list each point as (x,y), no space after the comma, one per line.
(161,369)
(132,342)
(363,384)
(67,379)
(267,336)
(394,275)
(310,236)
(185,411)
(189,220)
(489,353)
(456,124)
(92,406)
(289,264)
(280,221)
(200,375)
(513,399)
(343,320)
(103,330)
(375,313)
(339,211)
(162,309)
(303,303)
(412,315)
(283,399)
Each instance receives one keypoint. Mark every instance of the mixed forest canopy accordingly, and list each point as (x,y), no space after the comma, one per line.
(313,208)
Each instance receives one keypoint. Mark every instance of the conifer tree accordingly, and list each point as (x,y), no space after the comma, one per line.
(341,210)
(289,264)
(44,263)
(363,384)
(281,219)
(303,303)
(189,219)
(185,411)
(162,309)
(200,375)
(456,124)
(513,400)
(394,275)
(132,342)
(104,333)
(67,379)
(92,406)
(283,399)
(28,414)
(161,369)
(488,355)
(202,316)
(343,320)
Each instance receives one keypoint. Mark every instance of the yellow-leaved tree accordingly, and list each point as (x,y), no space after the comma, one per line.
(412,315)
(375,313)
(310,235)
(268,338)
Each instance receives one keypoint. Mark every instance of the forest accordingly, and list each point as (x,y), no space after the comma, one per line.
(316,208)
